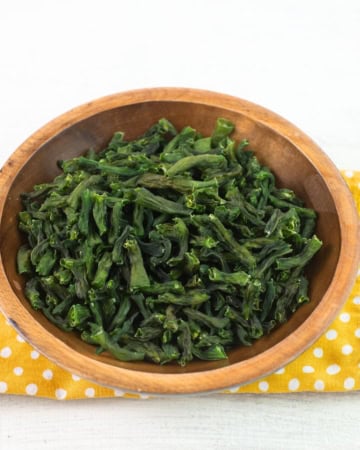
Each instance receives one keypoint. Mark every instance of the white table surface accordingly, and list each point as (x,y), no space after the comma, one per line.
(300,59)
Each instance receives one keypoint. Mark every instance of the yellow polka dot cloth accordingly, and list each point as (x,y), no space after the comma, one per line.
(331,364)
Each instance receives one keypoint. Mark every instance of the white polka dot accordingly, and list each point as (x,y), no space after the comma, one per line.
(308,369)
(18,371)
(47,374)
(34,354)
(60,394)
(349,173)
(319,385)
(144,396)
(3,387)
(344,317)
(120,393)
(264,386)
(31,389)
(349,383)
(356,300)
(318,352)
(75,377)
(333,369)
(233,390)
(5,352)
(357,332)
(358,272)
(346,349)
(90,392)
(280,371)
(331,335)
(294,384)
(20,338)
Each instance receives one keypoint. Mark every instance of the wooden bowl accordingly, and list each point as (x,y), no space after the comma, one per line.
(297,162)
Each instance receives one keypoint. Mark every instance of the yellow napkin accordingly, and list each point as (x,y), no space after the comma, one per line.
(331,364)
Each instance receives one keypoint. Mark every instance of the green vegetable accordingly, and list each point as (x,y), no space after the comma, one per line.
(138,275)
(77,315)
(157,203)
(223,129)
(23,259)
(169,247)
(103,270)
(240,278)
(199,161)
(311,247)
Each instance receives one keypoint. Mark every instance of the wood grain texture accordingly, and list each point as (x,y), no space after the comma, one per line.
(296,161)
(293,421)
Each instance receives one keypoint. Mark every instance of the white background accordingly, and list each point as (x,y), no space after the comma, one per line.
(299,58)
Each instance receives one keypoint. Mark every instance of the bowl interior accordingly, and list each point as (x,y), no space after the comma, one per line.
(289,164)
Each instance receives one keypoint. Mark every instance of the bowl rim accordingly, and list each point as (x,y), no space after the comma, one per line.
(239,373)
